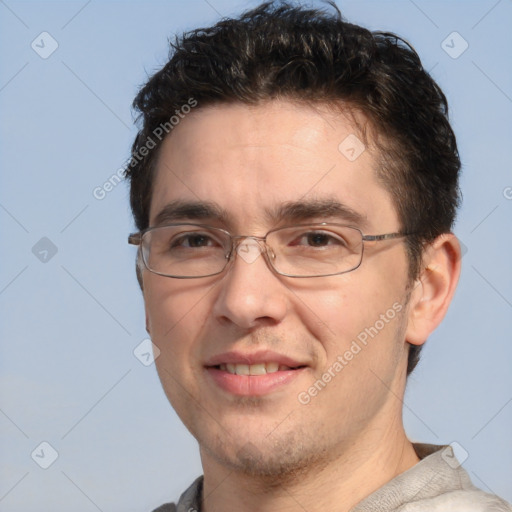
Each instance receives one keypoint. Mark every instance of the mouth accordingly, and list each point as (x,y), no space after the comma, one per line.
(254,369)
(253,375)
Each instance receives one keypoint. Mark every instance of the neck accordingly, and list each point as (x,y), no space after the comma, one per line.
(337,485)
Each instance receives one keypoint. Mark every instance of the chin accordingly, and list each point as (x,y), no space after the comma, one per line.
(274,461)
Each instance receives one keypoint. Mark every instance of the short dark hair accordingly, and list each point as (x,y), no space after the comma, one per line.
(280,50)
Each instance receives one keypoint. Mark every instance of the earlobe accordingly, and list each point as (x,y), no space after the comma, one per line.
(434,288)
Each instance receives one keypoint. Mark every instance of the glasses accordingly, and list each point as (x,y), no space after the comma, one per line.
(186,251)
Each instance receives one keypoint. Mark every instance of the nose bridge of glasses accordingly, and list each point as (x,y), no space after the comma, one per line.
(249,248)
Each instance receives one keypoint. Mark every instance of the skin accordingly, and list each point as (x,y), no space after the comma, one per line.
(272,452)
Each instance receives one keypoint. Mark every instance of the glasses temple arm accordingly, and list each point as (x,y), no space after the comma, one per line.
(135,238)
(386,236)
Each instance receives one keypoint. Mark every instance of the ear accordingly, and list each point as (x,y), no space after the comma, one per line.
(434,288)
(147,323)
(139,269)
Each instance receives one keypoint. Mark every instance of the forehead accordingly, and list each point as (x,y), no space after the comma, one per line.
(249,162)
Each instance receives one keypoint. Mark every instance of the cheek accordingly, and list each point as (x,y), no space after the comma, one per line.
(363,352)
(355,310)
(341,306)
(176,312)
(173,305)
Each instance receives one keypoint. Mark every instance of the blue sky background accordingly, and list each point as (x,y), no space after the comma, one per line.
(70,323)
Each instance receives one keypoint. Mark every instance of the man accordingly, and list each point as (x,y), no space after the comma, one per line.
(294,183)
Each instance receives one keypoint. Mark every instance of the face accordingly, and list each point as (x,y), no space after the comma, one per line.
(336,342)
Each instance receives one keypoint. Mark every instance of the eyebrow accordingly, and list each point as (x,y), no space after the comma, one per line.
(180,210)
(289,212)
(299,211)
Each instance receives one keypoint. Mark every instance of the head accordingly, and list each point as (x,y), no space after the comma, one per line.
(250,115)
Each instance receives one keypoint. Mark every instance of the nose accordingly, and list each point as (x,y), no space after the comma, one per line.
(251,293)
(249,248)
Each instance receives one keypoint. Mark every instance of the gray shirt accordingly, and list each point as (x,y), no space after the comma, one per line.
(437,483)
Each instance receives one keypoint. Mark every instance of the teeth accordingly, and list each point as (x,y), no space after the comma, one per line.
(242,369)
(253,369)
(272,367)
(257,369)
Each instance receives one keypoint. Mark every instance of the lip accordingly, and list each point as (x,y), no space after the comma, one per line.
(262,356)
(253,385)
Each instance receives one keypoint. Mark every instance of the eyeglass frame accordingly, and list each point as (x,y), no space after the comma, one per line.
(136,239)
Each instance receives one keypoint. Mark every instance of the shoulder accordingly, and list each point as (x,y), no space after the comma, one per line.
(437,483)
(467,500)
(167,507)
(189,501)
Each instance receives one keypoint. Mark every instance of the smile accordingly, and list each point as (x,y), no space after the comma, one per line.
(253,369)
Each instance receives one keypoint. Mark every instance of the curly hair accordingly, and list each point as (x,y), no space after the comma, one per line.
(279,50)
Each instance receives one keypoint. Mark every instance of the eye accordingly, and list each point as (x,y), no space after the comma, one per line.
(194,240)
(319,239)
